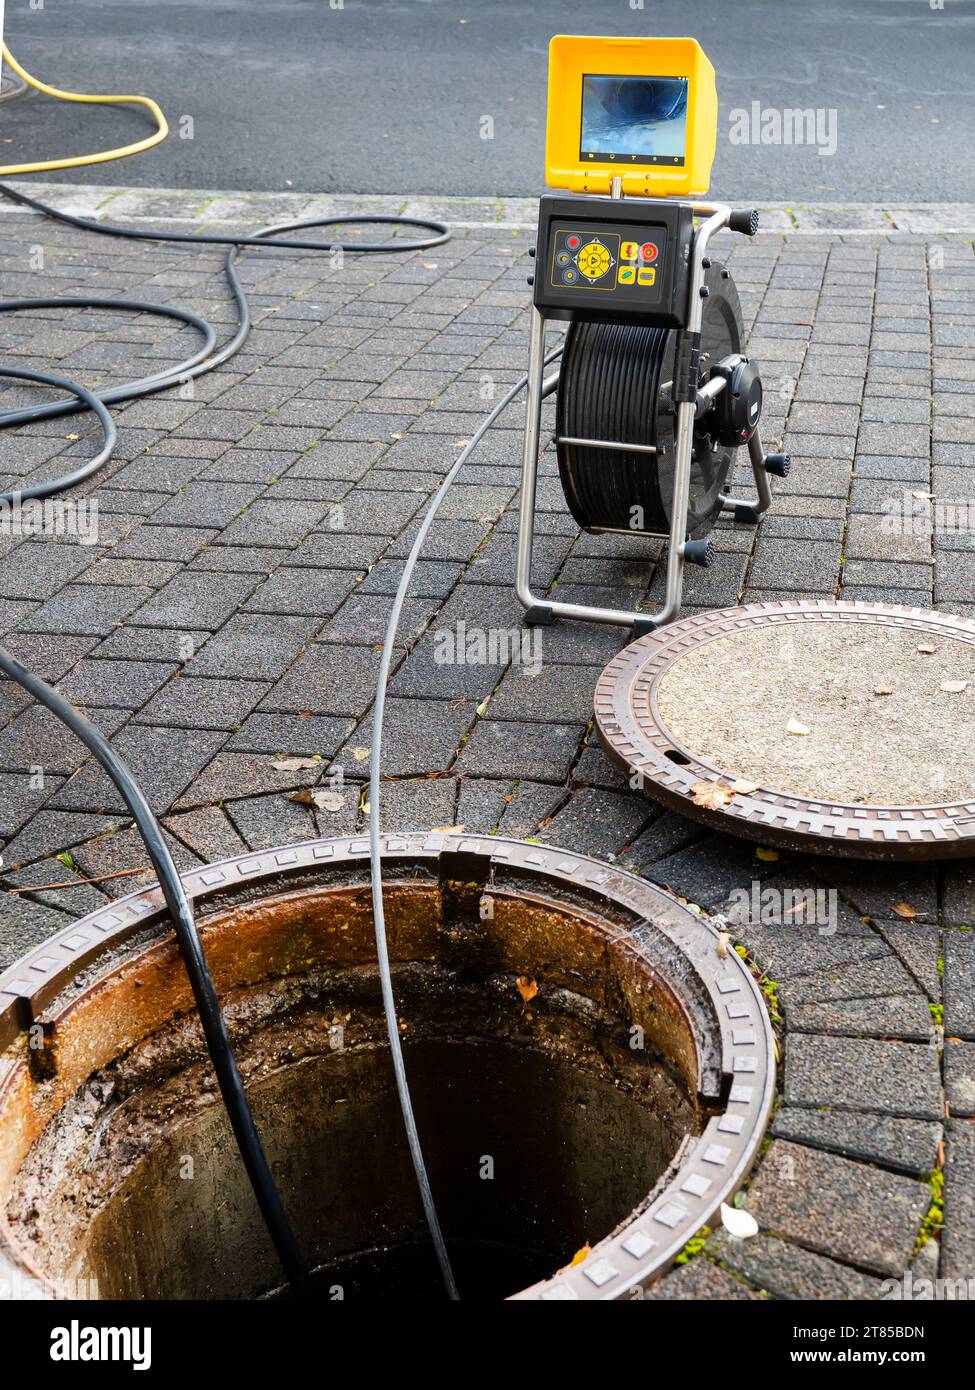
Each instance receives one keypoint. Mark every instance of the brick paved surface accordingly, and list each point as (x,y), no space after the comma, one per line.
(252,531)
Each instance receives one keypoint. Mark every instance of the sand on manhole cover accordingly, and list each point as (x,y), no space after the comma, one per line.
(733,701)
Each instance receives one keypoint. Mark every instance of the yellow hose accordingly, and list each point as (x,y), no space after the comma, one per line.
(162,127)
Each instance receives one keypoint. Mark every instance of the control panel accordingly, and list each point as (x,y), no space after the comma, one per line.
(607,258)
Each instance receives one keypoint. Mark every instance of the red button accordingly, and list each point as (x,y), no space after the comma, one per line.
(648,252)
(572,241)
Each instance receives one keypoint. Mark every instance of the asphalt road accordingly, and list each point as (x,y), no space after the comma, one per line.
(387,96)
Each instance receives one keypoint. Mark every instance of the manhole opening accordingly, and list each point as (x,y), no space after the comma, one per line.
(556,1073)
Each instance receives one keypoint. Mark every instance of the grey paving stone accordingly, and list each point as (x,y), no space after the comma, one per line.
(597,822)
(788,1271)
(38,739)
(266,821)
(276,523)
(117,854)
(906,1145)
(51,832)
(37,569)
(959,1059)
(958,1236)
(481,804)
(72,895)
(415,805)
(161,762)
(879,977)
(707,871)
(118,684)
(292,735)
(919,947)
(328,679)
(193,600)
(210,703)
(255,646)
(665,835)
(893,1078)
(162,543)
(207,504)
(419,736)
(959,895)
(232,775)
(149,644)
(25,924)
(208,833)
(85,610)
(847,1211)
(899,1016)
(959,983)
(701,1281)
(362,620)
(539,752)
(528,805)
(293,591)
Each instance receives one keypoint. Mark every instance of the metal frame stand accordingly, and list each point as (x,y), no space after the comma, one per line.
(541,610)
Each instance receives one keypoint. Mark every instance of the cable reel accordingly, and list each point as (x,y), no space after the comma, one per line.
(616,384)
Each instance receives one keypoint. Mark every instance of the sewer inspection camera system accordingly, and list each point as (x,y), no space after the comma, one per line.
(654,393)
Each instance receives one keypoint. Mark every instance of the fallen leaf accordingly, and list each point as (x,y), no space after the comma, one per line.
(294,764)
(360,754)
(580,1255)
(325,801)
(927,647)
(711,795)
(738,1222)
(526,988)
(724,941)
(883,690)
(767,856)
(72,436)
(446,830)
(923,496)
(794,727)
(429,265)
(742,785)
(904,910)
(954,687)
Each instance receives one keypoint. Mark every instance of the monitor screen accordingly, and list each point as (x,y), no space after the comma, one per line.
(634,120)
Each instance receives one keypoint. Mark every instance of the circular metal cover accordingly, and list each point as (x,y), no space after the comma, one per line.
(636,733)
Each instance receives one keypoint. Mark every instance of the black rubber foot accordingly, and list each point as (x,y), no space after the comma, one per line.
(642,627)
(778,464)
(747,514)
(539,615)
(700,553)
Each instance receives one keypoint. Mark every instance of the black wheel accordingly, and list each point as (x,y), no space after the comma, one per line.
(615,383)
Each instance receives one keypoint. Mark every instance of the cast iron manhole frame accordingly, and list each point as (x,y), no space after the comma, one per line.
(708,1169)
(636,736)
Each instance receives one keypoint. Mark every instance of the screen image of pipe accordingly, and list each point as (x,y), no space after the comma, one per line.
(570,1054)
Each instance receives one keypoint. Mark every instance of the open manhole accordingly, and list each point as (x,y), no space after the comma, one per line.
(615,1101)
(805,724)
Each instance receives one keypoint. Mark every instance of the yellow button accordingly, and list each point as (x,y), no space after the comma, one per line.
(647,275)
(629,251)
(627,275)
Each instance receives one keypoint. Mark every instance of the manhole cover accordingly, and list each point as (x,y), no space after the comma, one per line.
(564,1021)
(805,724)
(10,87)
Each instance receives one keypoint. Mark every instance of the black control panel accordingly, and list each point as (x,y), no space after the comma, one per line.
(610,258)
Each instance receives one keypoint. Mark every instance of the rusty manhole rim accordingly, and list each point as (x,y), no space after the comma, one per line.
(634,733)
(716,1161)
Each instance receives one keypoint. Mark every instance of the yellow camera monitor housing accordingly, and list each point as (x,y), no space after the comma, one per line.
(644,110)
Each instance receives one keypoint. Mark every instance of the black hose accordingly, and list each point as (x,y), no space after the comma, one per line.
(80,398)
(204,992)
